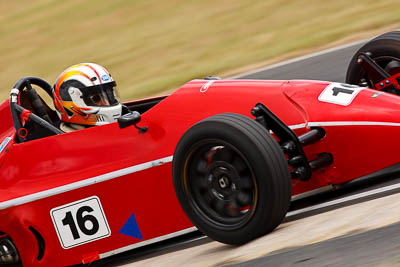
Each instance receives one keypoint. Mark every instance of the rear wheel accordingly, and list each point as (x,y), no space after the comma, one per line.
(231,178)
(385,51)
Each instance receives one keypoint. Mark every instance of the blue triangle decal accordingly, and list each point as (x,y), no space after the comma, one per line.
(131,228)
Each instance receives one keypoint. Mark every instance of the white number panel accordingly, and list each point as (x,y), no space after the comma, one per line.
(339,93)
(80,222)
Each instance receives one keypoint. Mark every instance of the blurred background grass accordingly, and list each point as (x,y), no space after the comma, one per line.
(150,46)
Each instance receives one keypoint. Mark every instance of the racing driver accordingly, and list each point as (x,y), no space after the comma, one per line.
(85,95)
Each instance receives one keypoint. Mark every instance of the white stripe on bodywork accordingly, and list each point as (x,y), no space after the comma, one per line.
(83,183)
(150,164)
(312,192)
(147,242)
(344,199)
(297,126)
(207,85)
(4,143)
(353,123)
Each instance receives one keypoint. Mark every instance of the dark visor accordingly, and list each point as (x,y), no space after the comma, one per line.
(102,95)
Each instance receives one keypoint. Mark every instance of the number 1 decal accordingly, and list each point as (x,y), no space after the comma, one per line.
(339,93)
(80,222)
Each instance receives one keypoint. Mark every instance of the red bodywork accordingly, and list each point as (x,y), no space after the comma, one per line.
(130,172)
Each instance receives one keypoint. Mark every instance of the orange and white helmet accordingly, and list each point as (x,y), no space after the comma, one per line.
(86,94)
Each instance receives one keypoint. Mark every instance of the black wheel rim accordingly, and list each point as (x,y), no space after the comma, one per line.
(220,184)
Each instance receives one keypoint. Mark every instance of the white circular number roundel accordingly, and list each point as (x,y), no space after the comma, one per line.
(80,222)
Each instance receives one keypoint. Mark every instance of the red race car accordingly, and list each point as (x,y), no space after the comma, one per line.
(224,155)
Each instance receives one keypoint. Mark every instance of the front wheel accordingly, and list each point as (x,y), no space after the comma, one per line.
(231,178)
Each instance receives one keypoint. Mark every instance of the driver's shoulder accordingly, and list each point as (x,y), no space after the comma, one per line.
(70,127)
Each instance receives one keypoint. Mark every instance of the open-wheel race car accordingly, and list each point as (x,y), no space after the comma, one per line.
(224,155)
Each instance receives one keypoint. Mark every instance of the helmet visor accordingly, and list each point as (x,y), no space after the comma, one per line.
(102,95)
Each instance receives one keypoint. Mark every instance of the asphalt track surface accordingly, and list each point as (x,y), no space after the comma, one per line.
(368,248)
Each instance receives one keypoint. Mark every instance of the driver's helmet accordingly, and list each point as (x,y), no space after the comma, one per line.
(86,94)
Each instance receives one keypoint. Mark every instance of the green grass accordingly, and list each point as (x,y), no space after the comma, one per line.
(150,46)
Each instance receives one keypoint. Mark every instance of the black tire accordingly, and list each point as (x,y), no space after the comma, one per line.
(231,178)
(385,51)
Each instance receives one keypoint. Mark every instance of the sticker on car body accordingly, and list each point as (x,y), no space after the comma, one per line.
(4,143)
(339,93)
(80,222)
(207,85)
